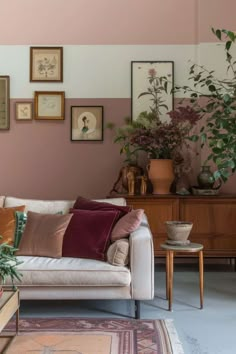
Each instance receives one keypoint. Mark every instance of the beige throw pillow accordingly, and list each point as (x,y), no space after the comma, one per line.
(43,235)
(118,253)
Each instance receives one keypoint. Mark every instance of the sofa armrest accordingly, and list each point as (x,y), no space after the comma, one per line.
(142,262)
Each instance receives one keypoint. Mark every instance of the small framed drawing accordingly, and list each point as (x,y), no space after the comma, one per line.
(49,105)
(151,85)
(86,123)
(4,102)
(46,64)
(24,110)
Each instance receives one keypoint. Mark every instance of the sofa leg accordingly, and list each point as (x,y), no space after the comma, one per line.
(137,309)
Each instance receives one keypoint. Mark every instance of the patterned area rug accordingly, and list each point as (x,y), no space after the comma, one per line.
(92,336)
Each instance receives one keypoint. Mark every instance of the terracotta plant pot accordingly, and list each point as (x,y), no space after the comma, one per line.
(178,230)
(161,174)
(1,291)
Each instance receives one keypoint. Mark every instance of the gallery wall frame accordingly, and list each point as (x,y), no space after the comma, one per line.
(151,85)
(4,102)
(46,64)
(86,123)
(49,105)
(24,111)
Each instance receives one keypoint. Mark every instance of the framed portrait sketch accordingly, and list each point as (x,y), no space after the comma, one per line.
(46,64)
(86,123)
(4,102)
(151,85)
(49,105)
(24,111)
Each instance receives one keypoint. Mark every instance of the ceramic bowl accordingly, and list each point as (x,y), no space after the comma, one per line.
(178,230)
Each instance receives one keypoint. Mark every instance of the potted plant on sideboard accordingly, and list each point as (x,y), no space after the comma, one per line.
(214,100)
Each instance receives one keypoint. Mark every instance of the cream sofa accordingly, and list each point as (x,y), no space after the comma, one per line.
(77,278)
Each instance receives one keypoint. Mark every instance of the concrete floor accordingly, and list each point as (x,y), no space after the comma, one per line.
(211,330)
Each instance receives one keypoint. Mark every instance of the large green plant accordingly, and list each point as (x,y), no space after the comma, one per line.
(214,99)
(8,263)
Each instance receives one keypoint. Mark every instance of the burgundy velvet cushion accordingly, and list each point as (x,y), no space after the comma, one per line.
(87,204)
(88,233)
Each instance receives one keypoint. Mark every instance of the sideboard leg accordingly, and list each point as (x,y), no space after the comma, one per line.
(137,309)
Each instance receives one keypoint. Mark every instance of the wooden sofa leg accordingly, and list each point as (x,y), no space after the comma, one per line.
(137,309)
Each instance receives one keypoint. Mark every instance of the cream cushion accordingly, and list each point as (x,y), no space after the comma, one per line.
(69,271)
(52,206)
(2,198)
(118,253)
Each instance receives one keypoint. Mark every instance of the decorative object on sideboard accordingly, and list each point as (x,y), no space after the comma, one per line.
(86,123)
(46,64)
(161,174)
(205,178)
(178,232)
(4,102)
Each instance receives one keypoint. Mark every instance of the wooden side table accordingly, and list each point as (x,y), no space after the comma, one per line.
(170,252)
(9,305)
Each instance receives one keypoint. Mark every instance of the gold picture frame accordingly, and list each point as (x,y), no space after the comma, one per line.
(46,64)
(24,111)
(49,105)
(4,102)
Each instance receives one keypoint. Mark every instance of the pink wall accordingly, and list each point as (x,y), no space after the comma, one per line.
(38,160)
(112,22)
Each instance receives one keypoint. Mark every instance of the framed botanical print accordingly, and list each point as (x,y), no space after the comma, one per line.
(49,105)
(46,64)
(86,123)
(4,102)
(24,111)
(151,88)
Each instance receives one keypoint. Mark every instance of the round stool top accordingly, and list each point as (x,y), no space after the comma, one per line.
(190,247)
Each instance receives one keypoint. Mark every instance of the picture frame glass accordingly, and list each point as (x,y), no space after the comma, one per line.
(46,64)
(87,123)
(24,110)
(151,85)
(4,102)
(49,105)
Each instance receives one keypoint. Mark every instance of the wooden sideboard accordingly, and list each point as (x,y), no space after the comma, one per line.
(213,217)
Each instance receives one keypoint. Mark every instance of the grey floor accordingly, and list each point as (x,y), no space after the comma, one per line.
(211,330)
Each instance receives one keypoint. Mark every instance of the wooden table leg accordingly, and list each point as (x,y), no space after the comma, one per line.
(201,277)
(17,321)
(170,283)
(167,274)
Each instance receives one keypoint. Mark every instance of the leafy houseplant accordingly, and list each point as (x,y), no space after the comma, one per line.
(214,100)
(8,263)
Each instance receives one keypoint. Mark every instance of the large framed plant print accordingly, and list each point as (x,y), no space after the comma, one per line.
(4,102)
(151,85)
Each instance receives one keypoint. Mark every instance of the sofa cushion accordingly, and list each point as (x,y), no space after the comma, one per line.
(43,235)
(87,204)
(127,224)
(41,206)
(2,199)
(118,253)
(8,223)
(67,271)
(88,233)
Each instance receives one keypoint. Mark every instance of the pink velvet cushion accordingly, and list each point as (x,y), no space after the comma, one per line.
(88,234)
(87,204)
(127,224)
(43,235)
